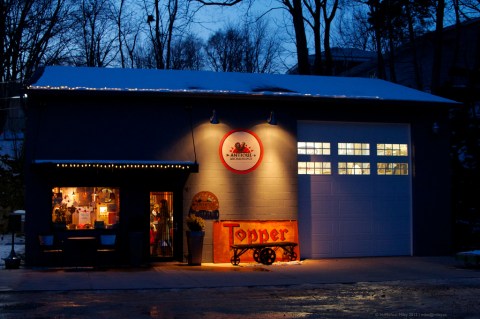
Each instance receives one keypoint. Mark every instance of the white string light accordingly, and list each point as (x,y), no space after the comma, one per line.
(124,166)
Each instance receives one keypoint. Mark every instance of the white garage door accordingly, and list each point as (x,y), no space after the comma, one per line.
(354,189)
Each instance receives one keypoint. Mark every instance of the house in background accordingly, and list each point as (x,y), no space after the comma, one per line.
(355,163)
(459,77)
(344,60)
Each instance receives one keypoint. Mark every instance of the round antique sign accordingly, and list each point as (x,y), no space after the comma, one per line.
(241,151)
(205,204)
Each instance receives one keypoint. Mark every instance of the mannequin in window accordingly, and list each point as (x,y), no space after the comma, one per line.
(162,219)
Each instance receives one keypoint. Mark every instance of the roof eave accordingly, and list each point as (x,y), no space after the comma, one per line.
(285,96)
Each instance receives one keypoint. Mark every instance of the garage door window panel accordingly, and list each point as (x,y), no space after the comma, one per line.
(313,148)
(362,149)
(392,168)
(353,168)
(392,149)
(314,168)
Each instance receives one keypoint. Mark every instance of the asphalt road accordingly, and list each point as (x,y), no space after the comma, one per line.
(456,298)
(396,287)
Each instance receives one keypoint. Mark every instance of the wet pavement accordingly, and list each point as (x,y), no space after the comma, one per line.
(411,299)
(382,287)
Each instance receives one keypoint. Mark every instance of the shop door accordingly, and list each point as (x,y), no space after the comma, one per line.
(161,225)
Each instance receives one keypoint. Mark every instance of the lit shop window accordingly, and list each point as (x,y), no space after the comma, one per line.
(85,207)
(314,168)
(392,150)
(351,168)
(392,168)
(353,149)
(313,148)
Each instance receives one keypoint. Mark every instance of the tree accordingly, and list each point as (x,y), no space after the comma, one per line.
(94,29)
(261,49)
(295,9)
(12,189)
(249,49)
(353,29)
(169,19)
(224,50)
(437,46)
(466,9)
(29,36)
(393,23)
(187,54)
(128,25)
(321,11)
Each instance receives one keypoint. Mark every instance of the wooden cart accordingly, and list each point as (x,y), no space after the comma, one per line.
(264,253)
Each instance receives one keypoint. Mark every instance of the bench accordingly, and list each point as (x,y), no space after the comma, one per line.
(264,253)
(107,250)
(51,252)
(78,251)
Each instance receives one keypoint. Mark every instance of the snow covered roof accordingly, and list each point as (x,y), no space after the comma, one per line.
(224,84)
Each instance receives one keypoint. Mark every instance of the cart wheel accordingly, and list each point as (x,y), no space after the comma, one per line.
(256,255)
(235,260)
(267,256)
(287,256)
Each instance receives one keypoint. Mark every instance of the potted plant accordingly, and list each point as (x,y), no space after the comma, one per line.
(195,235)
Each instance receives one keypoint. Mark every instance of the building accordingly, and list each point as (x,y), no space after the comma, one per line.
(359,166)
(343,59)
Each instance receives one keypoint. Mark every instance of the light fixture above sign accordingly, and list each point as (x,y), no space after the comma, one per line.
(214,118)
(272,119)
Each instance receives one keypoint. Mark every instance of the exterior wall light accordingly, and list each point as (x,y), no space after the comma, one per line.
(436,128)
(214,118)
(272,119)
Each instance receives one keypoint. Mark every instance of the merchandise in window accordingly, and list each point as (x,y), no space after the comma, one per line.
(85,207)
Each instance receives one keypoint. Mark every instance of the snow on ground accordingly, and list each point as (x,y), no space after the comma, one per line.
(6,247)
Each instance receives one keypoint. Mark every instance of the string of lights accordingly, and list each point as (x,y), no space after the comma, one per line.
(122,166)
(118,165)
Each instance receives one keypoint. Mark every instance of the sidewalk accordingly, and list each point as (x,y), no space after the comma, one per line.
(175,275)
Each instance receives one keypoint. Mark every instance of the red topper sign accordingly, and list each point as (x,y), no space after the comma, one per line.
(227,233)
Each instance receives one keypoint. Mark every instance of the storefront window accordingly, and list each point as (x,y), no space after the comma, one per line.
(85,207)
